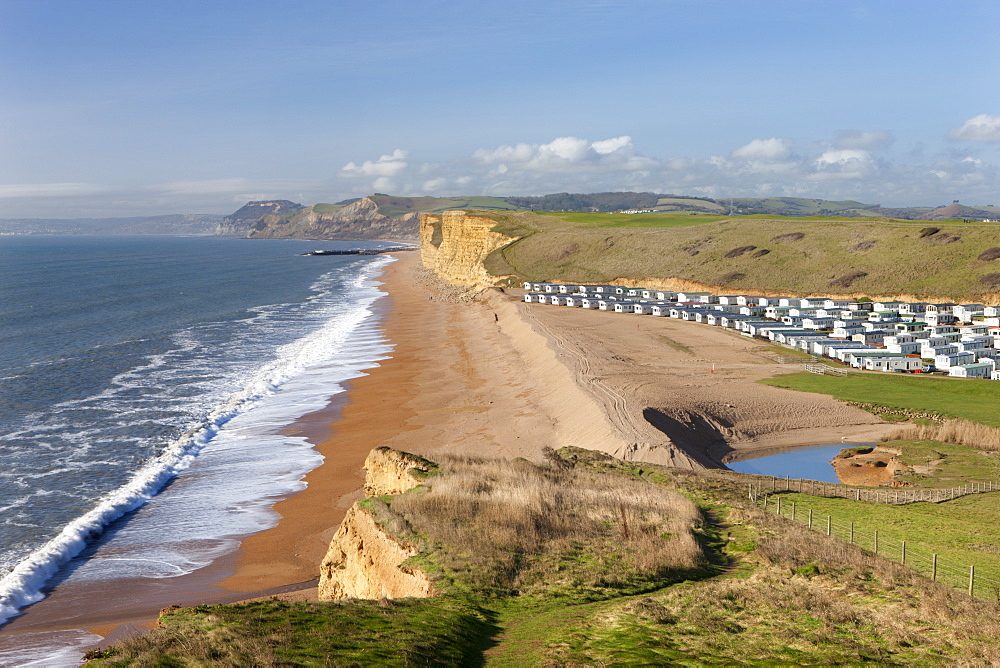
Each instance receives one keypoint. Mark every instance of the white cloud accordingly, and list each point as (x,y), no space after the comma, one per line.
(566,154)
(611,145)
(984,127)
(389,165)
(843,156)
(434,185)
(384,184)
(28,190)
(857,139)
(767,150)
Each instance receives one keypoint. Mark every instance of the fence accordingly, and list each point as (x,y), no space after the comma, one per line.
(897,496)
(981,582)
(823,369)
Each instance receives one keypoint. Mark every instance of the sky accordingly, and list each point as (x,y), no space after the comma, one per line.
(125,108)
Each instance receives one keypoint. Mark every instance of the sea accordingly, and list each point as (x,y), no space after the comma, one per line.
(146,388)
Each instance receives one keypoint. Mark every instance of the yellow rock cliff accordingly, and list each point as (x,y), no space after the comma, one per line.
(365,560)
(453,245)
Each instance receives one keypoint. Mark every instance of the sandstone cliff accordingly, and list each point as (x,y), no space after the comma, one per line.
(360,219)
(365,561)
(454,244)
(239,223)
(366,555)
(389,471)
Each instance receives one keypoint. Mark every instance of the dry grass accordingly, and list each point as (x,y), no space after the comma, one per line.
(961,432)
(516,528)
(797,597)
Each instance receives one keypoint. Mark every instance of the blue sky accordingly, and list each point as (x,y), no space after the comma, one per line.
(130,108)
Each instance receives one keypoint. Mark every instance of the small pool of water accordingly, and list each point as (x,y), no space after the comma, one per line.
(808,462)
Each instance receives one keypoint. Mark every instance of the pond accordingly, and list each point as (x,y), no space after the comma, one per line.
(807,462)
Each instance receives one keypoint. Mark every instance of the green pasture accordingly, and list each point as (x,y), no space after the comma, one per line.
(965,530)
(949,464)
(977,401)
(637,220)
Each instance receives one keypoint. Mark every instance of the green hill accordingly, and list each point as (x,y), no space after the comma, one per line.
(799,255)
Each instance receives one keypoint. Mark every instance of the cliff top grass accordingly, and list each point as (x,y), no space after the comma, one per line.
(498,529)
(814,255)
(779,593)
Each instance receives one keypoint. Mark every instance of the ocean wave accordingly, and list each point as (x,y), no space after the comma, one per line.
(22,586)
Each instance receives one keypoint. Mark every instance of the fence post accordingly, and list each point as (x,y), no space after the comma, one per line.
(857,493)
(902,555)
(779,506)
(972,579)
(810,518)
(827,525)
(934,567)
(793,511)
(876,541)
(852,533)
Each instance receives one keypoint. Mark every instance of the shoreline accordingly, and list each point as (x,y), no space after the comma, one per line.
(83,610)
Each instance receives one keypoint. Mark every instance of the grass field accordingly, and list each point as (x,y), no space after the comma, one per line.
(637,220)
(323,208)
(410,632)
(977,401)
(947,464)
(965,530)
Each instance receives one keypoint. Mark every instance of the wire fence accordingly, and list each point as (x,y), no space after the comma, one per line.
(897,496)
(976,580)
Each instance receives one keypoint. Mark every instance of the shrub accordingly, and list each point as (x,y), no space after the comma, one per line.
(846,280)
(990,280)
(736,252)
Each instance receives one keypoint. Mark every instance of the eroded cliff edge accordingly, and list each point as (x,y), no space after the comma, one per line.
(454,245)
(367,554)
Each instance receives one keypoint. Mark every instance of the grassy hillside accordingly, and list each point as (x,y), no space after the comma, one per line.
(806,255)
(948,397)
(590,561)
(396,206)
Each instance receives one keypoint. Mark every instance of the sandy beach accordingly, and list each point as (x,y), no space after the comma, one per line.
(500,377)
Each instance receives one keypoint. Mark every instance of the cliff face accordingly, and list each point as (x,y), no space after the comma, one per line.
(361,219)
(240,222)
(364,561)
(454,244)
(365,558)
(389,471)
